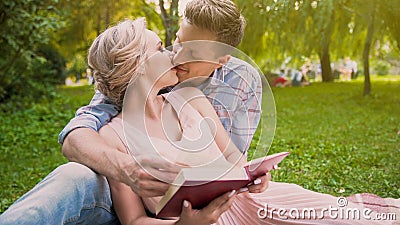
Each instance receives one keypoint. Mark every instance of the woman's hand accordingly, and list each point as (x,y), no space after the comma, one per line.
(259,185)
(208,215)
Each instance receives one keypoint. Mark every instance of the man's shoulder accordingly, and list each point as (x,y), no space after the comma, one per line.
(238,68)
(235,63)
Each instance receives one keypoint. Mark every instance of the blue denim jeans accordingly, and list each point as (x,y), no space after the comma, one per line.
(71,194)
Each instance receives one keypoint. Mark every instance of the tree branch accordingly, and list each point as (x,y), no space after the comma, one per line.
(174,8)
(164,15)
(149,6)
(350,10)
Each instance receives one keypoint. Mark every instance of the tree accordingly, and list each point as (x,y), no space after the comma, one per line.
(87,19)
(390,13)
(295,28)
(375,17)
(367,46)
(25,25)
(283,29)
(170,20)
(167,11)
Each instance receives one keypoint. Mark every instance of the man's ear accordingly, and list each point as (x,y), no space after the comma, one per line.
(223,60)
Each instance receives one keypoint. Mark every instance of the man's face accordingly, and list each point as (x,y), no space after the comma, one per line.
(190,56)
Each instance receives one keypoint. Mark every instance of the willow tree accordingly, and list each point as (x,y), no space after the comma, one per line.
(87,19)
(381,17)
(294,28)
(390,13)
(369,14)
(375,22)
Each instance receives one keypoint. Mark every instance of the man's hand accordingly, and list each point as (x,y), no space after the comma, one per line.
(149,175)
(87,147)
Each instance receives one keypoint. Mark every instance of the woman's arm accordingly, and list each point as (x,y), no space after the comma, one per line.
(198,101)
(128,205)
(130,209)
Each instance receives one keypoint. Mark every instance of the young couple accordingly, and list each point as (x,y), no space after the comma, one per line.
(129,60)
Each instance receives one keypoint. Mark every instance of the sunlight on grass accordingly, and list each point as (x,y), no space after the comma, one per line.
(380,78)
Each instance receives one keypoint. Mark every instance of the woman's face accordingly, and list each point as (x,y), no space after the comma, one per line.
(159,65)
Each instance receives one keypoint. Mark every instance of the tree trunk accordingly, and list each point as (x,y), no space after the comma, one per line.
(107,14)
(169,33)
(324,56)
(98,24)
(170,20)
(367,47)
(326,69)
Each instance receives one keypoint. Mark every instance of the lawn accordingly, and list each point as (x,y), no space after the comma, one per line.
(29,148)
(340,142)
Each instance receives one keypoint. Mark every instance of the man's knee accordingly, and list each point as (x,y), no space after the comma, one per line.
(77,173)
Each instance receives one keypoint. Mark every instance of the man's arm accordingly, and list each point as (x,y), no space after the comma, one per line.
(95,115)
(87,147)
(83,144)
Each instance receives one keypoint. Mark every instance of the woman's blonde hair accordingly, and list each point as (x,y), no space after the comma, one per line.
(115,57)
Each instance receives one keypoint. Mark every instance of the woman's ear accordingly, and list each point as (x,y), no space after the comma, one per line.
(223,60)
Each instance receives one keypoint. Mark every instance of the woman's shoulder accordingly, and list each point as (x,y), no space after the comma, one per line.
(194,97)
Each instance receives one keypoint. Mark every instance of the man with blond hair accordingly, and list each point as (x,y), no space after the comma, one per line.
(79,192)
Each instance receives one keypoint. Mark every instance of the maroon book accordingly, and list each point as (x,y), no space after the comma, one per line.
(201,185)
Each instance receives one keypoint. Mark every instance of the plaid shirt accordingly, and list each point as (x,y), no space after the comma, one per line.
(234,91)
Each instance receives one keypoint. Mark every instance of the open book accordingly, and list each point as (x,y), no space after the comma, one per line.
(199,186)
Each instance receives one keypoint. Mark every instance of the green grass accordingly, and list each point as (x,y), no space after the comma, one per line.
(29,148)
(340,142)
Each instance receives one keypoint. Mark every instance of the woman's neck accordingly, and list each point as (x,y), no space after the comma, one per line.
(142,101)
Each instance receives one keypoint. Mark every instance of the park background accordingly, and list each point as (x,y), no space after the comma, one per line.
(344,137)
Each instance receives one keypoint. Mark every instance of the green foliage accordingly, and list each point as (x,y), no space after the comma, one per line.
(382,68)
(291,29)
(54,64)
(170,20)
(390,12)
(78,65)
(26,25)
(29,148)
(85,20)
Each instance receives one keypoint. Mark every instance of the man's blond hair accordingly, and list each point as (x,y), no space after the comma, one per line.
(222,17)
